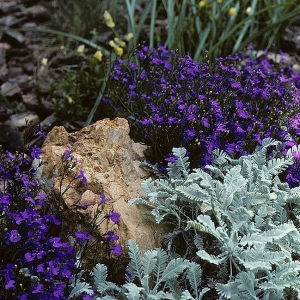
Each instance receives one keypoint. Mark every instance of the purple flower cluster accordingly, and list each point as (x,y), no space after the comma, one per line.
(230,104)
(33,263)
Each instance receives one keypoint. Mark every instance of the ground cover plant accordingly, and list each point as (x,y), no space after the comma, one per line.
(172,101)
(36,262)
(247,221)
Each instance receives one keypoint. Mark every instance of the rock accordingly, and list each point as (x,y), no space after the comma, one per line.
(2,57)
(38,12)
(110,160)
(6,21)
(10,137)
(20,120)
(291,39)
(9,7)
(10,90)
(48,122)
(14,38)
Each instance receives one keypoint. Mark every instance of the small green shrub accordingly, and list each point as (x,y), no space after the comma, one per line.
(80,86)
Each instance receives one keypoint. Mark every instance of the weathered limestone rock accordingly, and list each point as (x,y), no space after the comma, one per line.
(110,160)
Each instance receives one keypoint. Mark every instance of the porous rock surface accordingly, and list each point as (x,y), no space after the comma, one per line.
(110,160)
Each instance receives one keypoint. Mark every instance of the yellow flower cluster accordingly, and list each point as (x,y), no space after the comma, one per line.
(117,43)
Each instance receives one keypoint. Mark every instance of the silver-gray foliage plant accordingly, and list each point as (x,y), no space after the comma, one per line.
(151,276)
(244,206)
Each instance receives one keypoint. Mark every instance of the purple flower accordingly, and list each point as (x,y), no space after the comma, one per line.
(39,131)
(11,284)
(114,217)
(67,273)
(81,175)
(82,236)
(5,199)
(59,290)
(171,158)
(189,134)
(205,122)
(56,242)
(146,122)
(14,236)
(35,152)
(103,199)
(87,297)
(66,155)
(116,250)
(40,268)
(29,256)
(111,236)
(296,154)
(53,268)
(38,289)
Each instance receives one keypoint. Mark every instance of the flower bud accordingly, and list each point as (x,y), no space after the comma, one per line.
(128,36)
(249,10)
(44,62)
(232,11)
(202,3)
(80,49)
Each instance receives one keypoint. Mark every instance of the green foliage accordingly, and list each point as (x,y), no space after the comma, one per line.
(246,219)
(81,17)
(219,27)
(81,85)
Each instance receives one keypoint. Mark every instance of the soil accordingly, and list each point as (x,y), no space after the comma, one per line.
(21,52)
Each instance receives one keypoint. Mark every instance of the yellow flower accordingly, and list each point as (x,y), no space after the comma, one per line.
(249,10)
(220,1)
(44,62)
(119,42)
(122,44)
(119,51)
(232,11)
(112,44)
(110,23)
(98,55)
(80,49)
(202,3)
(107,16)
(70,100)
(128,36)
(108,19)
